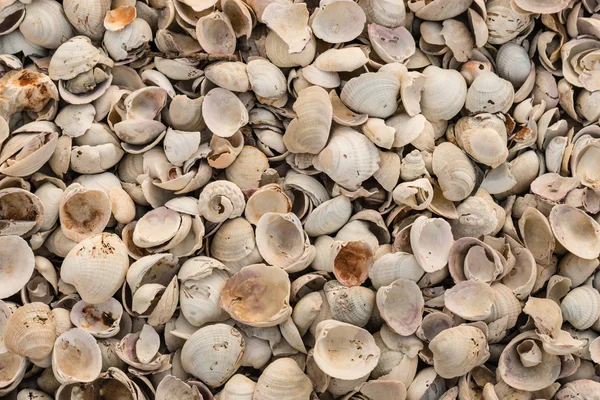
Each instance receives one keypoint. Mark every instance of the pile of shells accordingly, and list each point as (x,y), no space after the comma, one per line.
(278,200)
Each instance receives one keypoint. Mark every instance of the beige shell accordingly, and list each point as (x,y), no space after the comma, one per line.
(537,235)
(349,158)
(338,21)
(576,231)
(268,198)
(249,307)
(455,172)
(283,378)
(581,307)
(444,93)
(485,145)
(83,212)
(401,305)
(76,357)
(248,168)
(489,93)
(96,266)
(147,235)
(223,112)
(119,17)
(458,299)
(21,212)
(25,153)
(340,60)
(266,79)
(290,23)
(221,200)
(372,93)
(458,350)
(329,216)
(513,64)
(213,353)
(45,24)
(100,320)
(215,33)
(30,331)
(87,17)
(230,75)
(391,45)
(344,351)
(278,52)
(309,131)
(431,241)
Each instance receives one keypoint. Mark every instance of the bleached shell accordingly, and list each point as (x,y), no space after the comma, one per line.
(527,378)
(213,353)
(384,12)
(221,200)
(444,93)
(455,172)
(156,227)
(233,241)
(268,198)
(248,168)
(87,16)
(485,145)
(73,57)
(344,351)
(238,387)
(390,267)
(223,112)
(44,144)
(338,21)
(372,93)
(438,10)
(576,231)
(504,22)
(537,235)
(128,44)
(215,33)
(76,357)
(83,212)
(407,128)
(457,36)
(458,350)
(282,378)
(266,79)
(290,23)
(101,320)
(542,7)
(471,258)
(309,131)
(45,24)
(75,120)
(388,173)
(329,216)
(489,93)
(340,60)
(230,75)
(512,63)
(431,241)
(353,305)
(459,300)
(401,306)
(280,239)
(96,267)
(342,114)
(577,269)
(250,307)
(145,103)
(30,331)
(581,307)
(278,52)
(349,158)
(391,45)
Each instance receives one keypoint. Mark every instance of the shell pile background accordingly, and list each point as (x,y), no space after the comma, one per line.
(277,200)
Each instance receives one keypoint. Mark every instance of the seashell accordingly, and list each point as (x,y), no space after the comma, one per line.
(344,351)
(342,114)
(379,133)
(431,241)
(581,387)
(266,80)
(518,376)
(282,377)
(87,17)
(76,357)
(346,59)
(248,168)
(45,24)
(426,382)
(223,112)
(533,6)
(221,200)
(230,75)
(581,307)
(268,198)
(444,93)
(371,93)
(512,64)
(489,93)
(484,146)
(338,21)
(456,177)
(347,151)
(351,261)
(17,264)
(30,331)
(118,18)
(578,270)
(472,259)
(128,44)
(172,386)
(391,45)
(96,266)
(100,320)
(393,266)
(576,231)
(21,212)
(238,387)
(404,297)
(385,13)
(215,33)
(249,307)
(309,131)
(147,235)
(458,350)
(127,350)
(277,51)
(506,23)
(290,23)
(26,153)
(438,10)
(76,206)
(352,305)
(329,217)
(213,353)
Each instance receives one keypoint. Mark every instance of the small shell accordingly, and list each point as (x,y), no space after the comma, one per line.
(221,200)
(147,234)
(458,350)
(87,16)
(338,21)
(290,23)
(431,241)
(266,79)
(581,307)
(458,299)
(340,60)
(401,306)
(230,75)
(489,93)
(76,357)
(215,33)
(392,45)
(118,18)
(351,261)
(513,64)
(486,146)
(241,297)
(444,93)
(371,93)
(344,351)
(101,320)
(213,353)
(83,212)
(45,24)
(455,172)
(223,112)
(268,198)
(21,212)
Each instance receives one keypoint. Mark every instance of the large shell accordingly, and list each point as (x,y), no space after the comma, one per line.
(338,21)
(401,306)
(581,307)
(223,112)
(76,357)
(444,93)
(87,16)
(213,353)
(458,350)
(431,241)
(489,93)
(16,264)
(96,266)
(30,331)
(576,231)
(283,378)
(83,212)
(45,24)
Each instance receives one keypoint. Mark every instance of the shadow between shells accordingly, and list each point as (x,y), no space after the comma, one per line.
(276,200)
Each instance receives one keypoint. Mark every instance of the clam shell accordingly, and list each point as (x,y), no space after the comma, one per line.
(278,52)
(283,377)
(455,172)
(512,63)
(489,93)
(100,320)
(338,21)
(458,350)
(30,331)
(581,307)
(96,266)
(290,23)
(76,357)
(223,112)
(372,93)
(45,24)
(576,231)
(431,241)
(401,305)
(76,207)
(87,17)
(215,33)
(444,93)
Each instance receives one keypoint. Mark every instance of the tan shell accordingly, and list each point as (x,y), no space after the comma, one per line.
(371,93)
(17,264)
(486,146)
(45,24)
(215,33)
(444,93)
(576,231)
(455,172)
(249,307)
(268,198)
(21,212)
(458,350)
(76,207)
(76,357)
(338,21)
(401,306)
(30,331)
(489,93)
(581,307)
(290,23)
(221,200)
(431,241)
(223,112)
(282,378)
